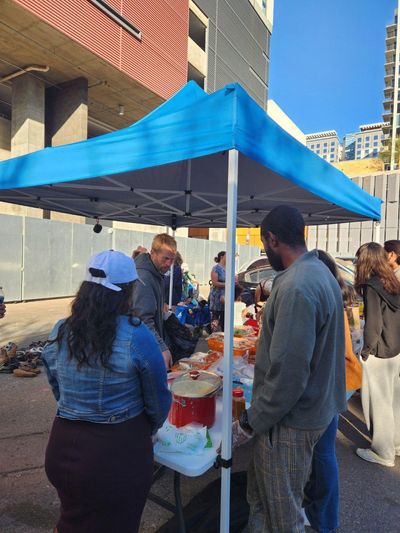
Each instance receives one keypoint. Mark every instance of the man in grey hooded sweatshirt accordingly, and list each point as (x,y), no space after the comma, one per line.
(148,296)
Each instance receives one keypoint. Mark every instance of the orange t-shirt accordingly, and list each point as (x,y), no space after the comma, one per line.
(353,366)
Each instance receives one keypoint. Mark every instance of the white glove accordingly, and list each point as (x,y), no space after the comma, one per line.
(239,435)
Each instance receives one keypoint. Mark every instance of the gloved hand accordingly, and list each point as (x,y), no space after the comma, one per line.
(239,435)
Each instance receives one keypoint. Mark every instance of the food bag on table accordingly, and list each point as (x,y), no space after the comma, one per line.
(197,361)
(242,331)
(241,345)
(189,440)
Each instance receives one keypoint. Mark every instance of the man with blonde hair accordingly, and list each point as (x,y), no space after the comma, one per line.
(148,296)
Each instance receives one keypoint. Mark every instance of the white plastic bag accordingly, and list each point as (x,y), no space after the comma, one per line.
(190,439)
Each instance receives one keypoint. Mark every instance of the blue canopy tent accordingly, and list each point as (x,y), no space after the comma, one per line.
(198,160)
(169,168)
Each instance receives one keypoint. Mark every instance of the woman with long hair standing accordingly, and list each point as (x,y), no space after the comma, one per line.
(380,393)
(218,290)
(109,380)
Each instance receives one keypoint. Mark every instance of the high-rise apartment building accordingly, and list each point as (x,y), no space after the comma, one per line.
(229,42)
(391,111)
(326,144)
(366,143)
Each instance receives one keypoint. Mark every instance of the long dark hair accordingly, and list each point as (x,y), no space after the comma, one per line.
(393,246)
(91,328)
(372,262)
(348,293)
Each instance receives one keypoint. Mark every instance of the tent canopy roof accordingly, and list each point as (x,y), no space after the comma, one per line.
(170,169)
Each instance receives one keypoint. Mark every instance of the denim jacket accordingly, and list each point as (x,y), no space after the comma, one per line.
(136,382)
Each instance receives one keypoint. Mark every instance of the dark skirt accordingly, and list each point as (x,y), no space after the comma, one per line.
(102,473)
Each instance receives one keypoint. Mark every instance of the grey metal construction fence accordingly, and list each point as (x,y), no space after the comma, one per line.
(345,239)
(47,258)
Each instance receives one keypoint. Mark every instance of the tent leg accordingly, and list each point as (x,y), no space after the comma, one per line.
(171,281)
(226,452)
(377,232)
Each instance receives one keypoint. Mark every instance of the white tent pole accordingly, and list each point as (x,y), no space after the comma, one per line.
(171,280)
(226,451)
(377,232)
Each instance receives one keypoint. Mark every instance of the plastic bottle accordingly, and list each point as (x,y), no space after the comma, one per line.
(238,403)
(1,295)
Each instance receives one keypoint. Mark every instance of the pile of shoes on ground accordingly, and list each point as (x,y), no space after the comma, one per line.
(22,363)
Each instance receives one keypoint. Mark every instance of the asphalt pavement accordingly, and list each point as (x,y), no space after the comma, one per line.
(370,494)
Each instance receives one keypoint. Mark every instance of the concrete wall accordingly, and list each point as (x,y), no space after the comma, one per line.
(280,117)
(345,239)
(46,258)
(5,138)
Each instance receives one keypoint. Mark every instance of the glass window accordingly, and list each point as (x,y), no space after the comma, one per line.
(325,150)
(317,145)
(325,144)
(332,149)
(197,30)
(376,137)
(367,138)
(312,147)
(359,140)
(358,153)
(376,143)
(317,152)
(325,157)
(332,143)
(366,145)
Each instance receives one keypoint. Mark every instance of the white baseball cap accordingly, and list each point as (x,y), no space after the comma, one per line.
(110,267)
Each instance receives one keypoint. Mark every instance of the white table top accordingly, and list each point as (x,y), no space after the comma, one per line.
(194,465)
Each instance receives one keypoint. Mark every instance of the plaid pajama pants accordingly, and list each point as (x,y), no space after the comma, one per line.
(278,472)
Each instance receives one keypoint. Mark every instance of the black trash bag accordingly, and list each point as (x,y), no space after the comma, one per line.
(202,513)
(181,340)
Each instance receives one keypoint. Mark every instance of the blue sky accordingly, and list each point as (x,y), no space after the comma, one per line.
(327,62)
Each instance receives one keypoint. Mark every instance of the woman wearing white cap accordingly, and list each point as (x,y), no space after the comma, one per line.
(109,380)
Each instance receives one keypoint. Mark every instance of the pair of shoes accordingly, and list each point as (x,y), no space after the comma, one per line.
(29,368)
(397,451)
(20,373)
(369,455)
(8,366)
(8,352)
(11,349)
